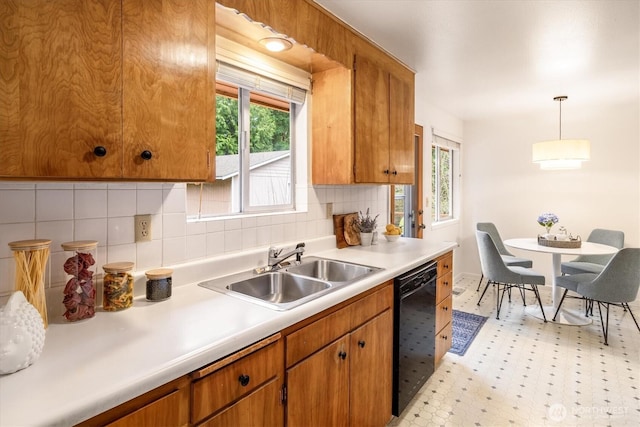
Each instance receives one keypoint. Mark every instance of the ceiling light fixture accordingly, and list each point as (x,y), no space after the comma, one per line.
(561,153)
(276,44)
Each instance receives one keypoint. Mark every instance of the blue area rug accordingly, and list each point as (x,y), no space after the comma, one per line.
(465,328)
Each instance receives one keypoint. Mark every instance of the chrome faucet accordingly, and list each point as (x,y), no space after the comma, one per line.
(276,259)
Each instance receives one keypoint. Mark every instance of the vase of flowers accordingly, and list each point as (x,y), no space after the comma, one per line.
(547,220)
(366,226)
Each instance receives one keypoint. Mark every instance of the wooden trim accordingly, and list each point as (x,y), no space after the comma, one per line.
(419,138)
(235,356)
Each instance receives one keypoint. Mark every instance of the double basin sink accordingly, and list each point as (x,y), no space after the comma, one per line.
(293,285)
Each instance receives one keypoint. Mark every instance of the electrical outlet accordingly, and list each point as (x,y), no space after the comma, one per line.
(143,228)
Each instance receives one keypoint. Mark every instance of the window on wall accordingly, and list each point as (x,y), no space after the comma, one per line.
(255,122)
(443,161)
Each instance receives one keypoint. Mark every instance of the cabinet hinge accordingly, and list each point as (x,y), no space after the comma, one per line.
(283,394)
(208,159)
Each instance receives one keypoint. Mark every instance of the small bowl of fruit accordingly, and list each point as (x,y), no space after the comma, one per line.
(392,233)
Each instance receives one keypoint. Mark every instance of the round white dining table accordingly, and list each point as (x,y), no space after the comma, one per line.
(565,316)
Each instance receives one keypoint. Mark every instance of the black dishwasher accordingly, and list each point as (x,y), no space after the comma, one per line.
(414,333)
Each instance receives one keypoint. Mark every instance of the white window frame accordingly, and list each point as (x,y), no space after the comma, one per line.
(442,143)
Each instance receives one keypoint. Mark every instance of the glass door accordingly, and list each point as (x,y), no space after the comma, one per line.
(406,210)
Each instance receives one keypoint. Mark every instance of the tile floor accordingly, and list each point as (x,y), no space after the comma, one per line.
(520,371)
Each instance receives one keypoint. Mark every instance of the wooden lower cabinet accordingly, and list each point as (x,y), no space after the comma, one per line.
(444,307)
(318,388)
(346,382)
(371,367)
(242,389)
(165,405)
(263,407)
(333,369)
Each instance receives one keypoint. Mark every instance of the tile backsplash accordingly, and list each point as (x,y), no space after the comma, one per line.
(105,212)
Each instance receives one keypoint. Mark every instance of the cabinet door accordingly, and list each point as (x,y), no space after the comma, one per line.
(262,408)
(401,126)
(318,388)
(169,410)
(371,122)
(444,339)
(60,88)
(169,89)
(371,372)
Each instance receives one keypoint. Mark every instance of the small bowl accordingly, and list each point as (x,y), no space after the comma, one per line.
(391,237)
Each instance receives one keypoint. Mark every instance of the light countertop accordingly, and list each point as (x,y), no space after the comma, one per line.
(90,366)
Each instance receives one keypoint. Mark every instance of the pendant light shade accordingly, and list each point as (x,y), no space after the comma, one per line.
(561,153)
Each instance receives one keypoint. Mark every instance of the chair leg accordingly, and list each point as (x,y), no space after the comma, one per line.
(522,292)
(605,325)
(564,294)
(480,282)
(535,291)
(499,300)
(485,291)
(631,313)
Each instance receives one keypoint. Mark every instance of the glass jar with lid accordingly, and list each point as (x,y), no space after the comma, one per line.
(80,289)
(31,257)
(117,286)
(158,284)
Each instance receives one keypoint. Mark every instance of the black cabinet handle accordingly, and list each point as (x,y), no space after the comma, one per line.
(444,337)
(244,380)
(342,355)
(146,155)
(395,172)
(100,151)
(445,308)
(386,171)
(361,343)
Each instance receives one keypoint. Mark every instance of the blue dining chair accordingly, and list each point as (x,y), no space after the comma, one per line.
(594,263)
(503,276)
(508,258)
(616,285)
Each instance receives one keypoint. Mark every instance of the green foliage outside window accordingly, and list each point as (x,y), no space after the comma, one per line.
(269,127)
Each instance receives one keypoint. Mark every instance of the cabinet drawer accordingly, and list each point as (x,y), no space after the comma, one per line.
(445,264)
(444,313)
(313,337)
(372,305)
(238,379)
(443,342)
(443,286)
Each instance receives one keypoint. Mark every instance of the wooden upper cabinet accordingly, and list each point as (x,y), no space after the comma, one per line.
(87,86)
(60,88)
(169,89)
(362,126)
(402,150)
(371,122)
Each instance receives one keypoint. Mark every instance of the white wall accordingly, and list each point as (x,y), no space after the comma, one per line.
(430,117)
(503,186)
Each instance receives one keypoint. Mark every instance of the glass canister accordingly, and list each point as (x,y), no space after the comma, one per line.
(80,290)
(117,286)
(158,284)
(31,258)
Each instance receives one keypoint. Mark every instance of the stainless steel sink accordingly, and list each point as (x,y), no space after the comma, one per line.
(279,287)
(291,286)
(331,270)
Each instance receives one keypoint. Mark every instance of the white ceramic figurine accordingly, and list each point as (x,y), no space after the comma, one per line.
(21,334)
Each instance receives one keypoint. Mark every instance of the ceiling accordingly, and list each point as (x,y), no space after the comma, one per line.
(481,58)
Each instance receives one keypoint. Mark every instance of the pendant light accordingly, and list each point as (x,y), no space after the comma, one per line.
(561,153)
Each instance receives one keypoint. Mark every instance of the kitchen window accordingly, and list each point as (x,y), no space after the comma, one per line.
(444,154)
(256,124)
